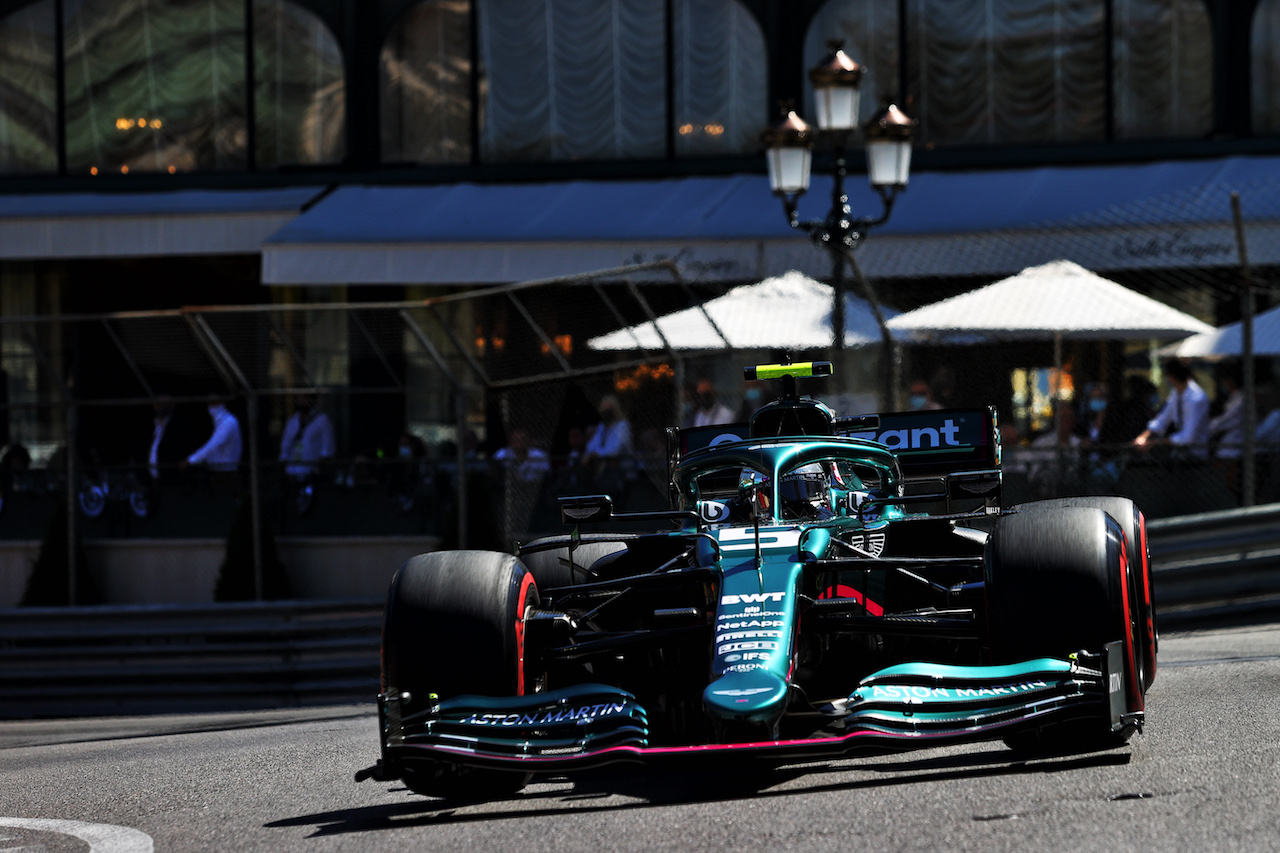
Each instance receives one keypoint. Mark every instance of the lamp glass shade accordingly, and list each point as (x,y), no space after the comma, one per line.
(837,107)
(789,167)
(888,162)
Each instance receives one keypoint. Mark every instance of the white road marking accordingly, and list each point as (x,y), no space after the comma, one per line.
(101,837)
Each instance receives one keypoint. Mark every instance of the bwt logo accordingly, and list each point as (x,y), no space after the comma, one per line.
(752,598)
(917,438)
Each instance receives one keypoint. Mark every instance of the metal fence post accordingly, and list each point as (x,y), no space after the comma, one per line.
(255,499)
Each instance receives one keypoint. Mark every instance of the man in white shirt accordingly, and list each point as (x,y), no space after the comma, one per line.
(222,451)
(1183,420)
(307,439)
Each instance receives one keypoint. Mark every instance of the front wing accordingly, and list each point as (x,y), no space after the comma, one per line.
(904,707)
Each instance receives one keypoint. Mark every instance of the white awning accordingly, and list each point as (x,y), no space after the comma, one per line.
(182,222)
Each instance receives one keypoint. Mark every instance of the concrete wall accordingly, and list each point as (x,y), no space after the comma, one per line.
(184,571)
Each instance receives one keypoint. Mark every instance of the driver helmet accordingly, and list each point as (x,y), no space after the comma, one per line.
(804,491)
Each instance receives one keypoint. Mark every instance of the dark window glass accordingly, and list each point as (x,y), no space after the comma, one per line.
(572,80)
(28,96)
(1164,68)
(426,85)
(721,78)
(1264,55)
(1007,71)
(154,85)
(299,91)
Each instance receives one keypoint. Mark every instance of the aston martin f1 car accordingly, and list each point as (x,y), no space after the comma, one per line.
(819,587)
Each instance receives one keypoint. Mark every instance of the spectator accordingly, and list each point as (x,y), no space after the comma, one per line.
(521,460)
(307,439)
(222,451)
(1268,434)
(1228,427)
(611,439)
(525,467)
(942,387)
(921,397)
(1053,459)
(1183,420)
(1093,413)
(752,399)
(1127,418)
(708,409)
(15,462)
(608,455)
(172,439)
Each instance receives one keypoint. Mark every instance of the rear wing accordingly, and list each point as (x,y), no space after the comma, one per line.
(959,448)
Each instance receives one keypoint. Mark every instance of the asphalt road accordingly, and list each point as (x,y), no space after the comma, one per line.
(1203,776)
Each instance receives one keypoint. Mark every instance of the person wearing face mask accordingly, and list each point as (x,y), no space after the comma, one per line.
(222,451)
(609,453)
(709,409)
(921,397)
(752,399)
(1093,415)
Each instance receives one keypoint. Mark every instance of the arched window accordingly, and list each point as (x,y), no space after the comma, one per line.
(155,86)
(299,90)
(1164,68)
(1264,54)
(426,85)
(721,78)
(1029,71)
(572,80)
(1007,71)
(28,97)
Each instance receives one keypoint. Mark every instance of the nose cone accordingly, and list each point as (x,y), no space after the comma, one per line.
(754,696)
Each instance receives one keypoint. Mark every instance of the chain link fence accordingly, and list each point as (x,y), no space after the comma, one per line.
(463,416)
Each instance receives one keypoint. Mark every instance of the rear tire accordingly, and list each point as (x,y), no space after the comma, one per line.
(551,567)
(1134,525)
(453,626)
(1056,584)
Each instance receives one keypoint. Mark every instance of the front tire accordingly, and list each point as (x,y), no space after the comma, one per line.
(455,625)
(1141,591)
(1057,583)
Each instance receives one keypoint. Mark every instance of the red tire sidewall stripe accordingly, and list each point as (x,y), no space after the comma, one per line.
(522,599)
(1136,702)
(1150,642)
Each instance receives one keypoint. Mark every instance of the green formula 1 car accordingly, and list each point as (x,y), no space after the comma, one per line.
(819,588)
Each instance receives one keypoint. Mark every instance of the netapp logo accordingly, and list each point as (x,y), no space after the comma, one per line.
(918,438)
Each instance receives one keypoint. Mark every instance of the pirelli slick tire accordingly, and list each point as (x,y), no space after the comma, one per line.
(1057,583)
(1134,525)
(454,625)
(551,568)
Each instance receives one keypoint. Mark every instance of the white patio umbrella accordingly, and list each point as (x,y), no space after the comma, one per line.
(790,311)
(1055,301)
(1229,340)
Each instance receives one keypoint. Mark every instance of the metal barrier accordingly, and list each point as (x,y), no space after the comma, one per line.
(92,661)
(1216,556)
(61,662)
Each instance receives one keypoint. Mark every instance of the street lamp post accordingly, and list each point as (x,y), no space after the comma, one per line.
(789,154)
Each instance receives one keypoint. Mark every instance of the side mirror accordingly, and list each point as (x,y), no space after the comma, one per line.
(586,509)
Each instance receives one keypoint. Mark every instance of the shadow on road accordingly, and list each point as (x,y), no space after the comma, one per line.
(630,788)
